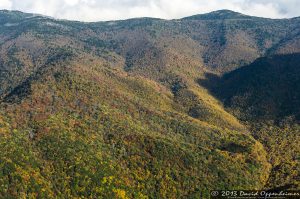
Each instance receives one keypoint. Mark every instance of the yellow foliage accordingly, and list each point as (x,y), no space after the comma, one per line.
(120,193)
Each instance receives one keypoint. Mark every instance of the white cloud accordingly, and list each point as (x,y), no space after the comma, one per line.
(5,4)
(99,10)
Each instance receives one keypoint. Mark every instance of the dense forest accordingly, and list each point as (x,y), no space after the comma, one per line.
(148,108)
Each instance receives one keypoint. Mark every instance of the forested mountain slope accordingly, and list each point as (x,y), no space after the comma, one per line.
(125,109)
(268,89)
(265,95)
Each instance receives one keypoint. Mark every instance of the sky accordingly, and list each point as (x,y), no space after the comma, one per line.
(104,10)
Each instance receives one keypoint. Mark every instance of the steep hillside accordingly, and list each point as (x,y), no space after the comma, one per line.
(268,89)
(115,109)
(265,95)
(105,132)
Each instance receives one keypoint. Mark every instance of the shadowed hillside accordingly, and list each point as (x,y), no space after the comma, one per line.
(267,89)
(265,96)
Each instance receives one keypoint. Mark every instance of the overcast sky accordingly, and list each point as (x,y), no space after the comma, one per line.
(102,10)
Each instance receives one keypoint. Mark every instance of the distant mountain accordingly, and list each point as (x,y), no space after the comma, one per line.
(219,15)
(148,108)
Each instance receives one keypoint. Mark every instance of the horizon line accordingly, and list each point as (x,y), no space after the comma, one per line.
(147,17)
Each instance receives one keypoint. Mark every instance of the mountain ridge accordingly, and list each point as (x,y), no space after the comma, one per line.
(213,15)
(219,15)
